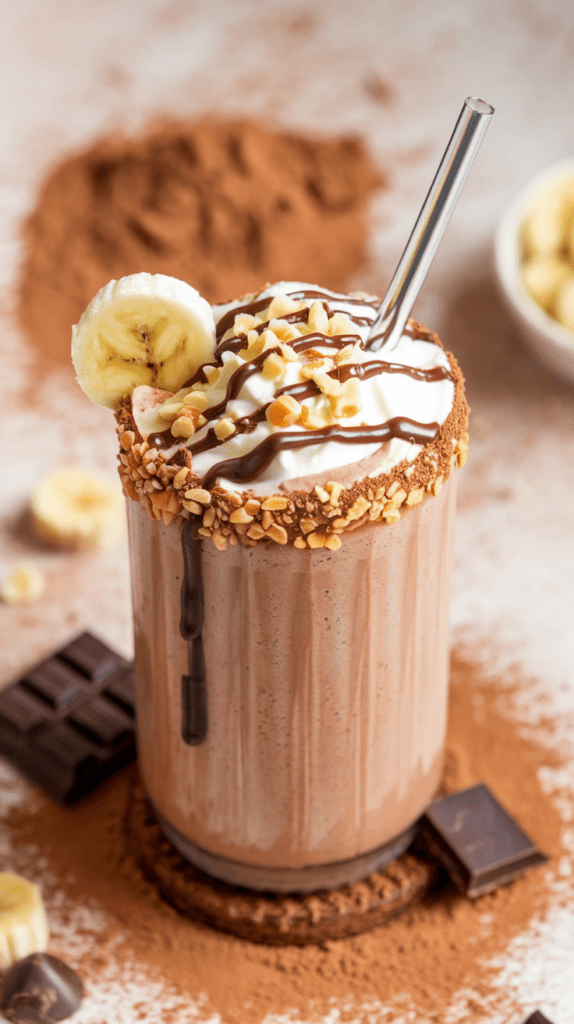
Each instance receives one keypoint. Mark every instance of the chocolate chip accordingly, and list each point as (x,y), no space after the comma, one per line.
(40,990)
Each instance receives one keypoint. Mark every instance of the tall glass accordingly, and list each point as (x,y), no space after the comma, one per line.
(326,689)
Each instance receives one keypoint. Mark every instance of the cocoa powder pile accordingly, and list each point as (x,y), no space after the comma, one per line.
(417,963)
(223,205)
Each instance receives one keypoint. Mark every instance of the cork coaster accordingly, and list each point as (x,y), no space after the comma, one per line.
(263,917)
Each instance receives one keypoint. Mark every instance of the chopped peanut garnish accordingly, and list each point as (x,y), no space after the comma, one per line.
(259,344)
(192,506)
(339,324)
(224,428)
(196,399)
(127,438)
(256,532)
(275,504)
(170,410)
(278,533)
(199,494)
(392,516)
(283,330)
(334,490)
(318,319)
(239,515)
(415,496)
(398,497)
(314,419)
(183,427)
(289,354)
(244,322)
(179,478)
(328,385)
(273,367)
(345,354)
(316,540)
(282,305)
(349,402)
(284,411)
(209,517)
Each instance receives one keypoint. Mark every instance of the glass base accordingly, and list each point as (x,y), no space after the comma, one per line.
(271,879)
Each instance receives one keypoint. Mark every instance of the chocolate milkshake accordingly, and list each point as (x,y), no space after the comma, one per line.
(291,535)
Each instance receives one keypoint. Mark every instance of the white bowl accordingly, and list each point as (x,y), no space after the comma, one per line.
(551,343)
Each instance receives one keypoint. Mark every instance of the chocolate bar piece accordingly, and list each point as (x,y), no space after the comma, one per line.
(40,989)
(68,723)
(537,1018)
(477,841)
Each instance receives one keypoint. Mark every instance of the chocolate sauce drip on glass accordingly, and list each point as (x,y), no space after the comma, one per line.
(193,685)
(249,466)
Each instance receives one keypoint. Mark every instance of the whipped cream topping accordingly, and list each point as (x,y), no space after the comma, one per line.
(294,395)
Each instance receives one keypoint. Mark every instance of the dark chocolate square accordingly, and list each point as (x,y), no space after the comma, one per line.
(478,842)
(21,709)
(60,726)
(91,657)
(55,682)
(66,746)
(102,721)
(121,689)
(537,1018)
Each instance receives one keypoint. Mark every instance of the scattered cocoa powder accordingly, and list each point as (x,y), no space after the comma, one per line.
(223,205)
(424,957)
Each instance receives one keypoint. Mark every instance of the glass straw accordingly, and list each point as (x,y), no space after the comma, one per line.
(431,223)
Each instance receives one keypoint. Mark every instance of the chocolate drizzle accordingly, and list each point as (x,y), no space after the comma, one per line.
(376,366)
(193,685)
(249,466)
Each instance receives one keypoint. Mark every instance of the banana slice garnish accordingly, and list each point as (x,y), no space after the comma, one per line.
(143,329)
(78,509)
(23,924)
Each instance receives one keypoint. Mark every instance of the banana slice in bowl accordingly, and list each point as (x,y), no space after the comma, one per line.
(143,329)
(23,924)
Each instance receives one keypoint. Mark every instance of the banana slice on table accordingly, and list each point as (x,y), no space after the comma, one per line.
(24,585)
(78,509)
(23,924)
(143,329)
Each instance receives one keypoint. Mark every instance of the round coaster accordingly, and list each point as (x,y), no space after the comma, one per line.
(264,917)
